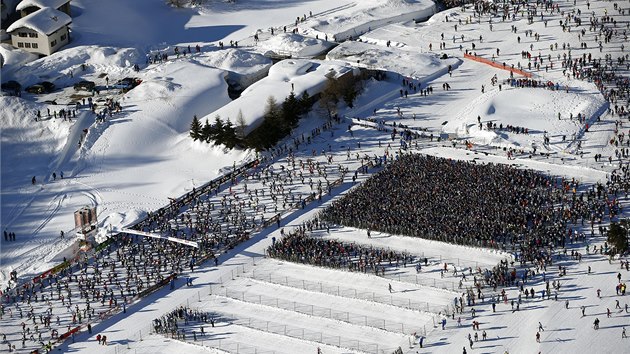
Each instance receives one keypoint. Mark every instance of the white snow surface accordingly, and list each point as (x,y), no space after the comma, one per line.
(55,4)
(297,75)
(45,20)
(134,161)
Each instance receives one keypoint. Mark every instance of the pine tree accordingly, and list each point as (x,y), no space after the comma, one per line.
(618,235)
(195,128)
(291,110)
(229,135)
(240,125)
(206,132)
(272,110)
(330,96)
(305,103)
(217,130)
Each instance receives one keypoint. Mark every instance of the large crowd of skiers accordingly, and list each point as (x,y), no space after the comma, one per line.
(461,195)
(535,217)
(182,322)
(297,246)
(48,308)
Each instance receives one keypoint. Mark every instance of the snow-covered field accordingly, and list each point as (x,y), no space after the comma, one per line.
(137,159)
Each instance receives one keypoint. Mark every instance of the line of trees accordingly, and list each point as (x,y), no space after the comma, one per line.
(279,118)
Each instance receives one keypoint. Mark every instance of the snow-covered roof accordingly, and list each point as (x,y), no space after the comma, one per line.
(46,20)
(55,4)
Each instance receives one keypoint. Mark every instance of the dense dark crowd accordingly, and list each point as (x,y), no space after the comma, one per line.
(476,204)
(454,201)
(299,247)
(176,323)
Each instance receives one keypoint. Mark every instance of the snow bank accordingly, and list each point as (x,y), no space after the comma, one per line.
(352,25)
(14,58)
(533,108)
(64,68)
(298,75)
(295,45)
(406,63)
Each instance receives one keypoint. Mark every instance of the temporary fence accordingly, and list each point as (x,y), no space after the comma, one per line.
(502,66)
(350,292)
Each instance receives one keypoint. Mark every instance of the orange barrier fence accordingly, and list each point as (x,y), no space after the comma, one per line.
(502,66)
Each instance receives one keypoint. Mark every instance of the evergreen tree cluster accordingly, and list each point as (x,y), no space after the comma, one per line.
(219,132)
(279,118)
(278,121)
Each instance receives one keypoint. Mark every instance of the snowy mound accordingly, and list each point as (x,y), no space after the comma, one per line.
(66,66)
(533,108)
(297,75)
(294,45)
(239,61)
(390,59)
(14,58)
(372,14)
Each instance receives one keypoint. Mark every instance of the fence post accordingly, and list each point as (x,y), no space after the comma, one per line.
(198,296)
